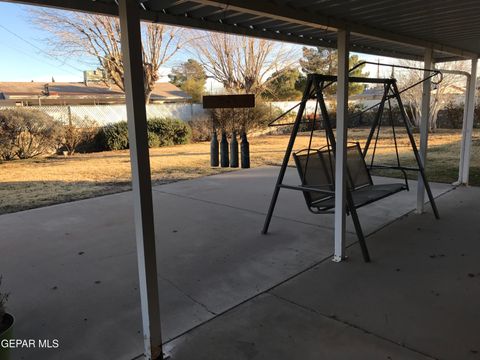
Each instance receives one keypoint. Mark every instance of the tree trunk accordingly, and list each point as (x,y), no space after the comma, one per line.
(148,94)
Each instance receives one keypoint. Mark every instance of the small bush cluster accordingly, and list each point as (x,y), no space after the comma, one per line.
(451,116)
(161,132)
(78,133)
(26,133)
(170,131)
(239,120)
(201,129)
(356,118)
(113,137)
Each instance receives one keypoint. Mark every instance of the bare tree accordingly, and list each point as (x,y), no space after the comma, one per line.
(98,37)
(242,64)
(440,94)
(75,131)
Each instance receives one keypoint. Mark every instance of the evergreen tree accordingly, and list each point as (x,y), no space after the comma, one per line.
(190,77)
(282,85)
(325,61)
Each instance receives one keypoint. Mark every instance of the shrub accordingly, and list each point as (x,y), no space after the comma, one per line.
(170,131)
(113,136)
(27,133)
(153,140)
(259,117)
(248,119)
(201,129)
(78,133)
(161,132)
(182,132)
(451,116)
(163,129)
(360,116)
(8,134)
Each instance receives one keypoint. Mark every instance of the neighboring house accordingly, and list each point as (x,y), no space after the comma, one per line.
(369,97)
(71,93)
(370,93)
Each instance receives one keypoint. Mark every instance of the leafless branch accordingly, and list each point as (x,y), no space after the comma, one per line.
(98,37)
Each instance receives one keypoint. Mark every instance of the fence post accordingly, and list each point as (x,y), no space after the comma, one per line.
(69,112)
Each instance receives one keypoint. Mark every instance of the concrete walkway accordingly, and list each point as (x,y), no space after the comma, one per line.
(71,272)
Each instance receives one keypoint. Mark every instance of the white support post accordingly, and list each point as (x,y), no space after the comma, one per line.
(467,130)
(464,133)
(131,42)
(343,38)
(427,88)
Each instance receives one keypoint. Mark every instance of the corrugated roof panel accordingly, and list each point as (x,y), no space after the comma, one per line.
(386,27)
(384,14)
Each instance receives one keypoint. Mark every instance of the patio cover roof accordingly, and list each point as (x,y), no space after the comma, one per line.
(394,28)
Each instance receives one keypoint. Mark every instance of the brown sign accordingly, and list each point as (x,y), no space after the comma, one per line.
(228,101)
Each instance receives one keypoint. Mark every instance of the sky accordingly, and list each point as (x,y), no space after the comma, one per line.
(24,55)
(23,50)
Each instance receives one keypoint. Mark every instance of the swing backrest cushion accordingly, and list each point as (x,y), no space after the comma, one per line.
(359,176)
(319,172)
(357,172)
(314,172)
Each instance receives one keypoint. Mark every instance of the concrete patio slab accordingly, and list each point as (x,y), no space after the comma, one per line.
(223,259)
(422,288)
(271,328)
(73,268)
(252,190)
(72,273)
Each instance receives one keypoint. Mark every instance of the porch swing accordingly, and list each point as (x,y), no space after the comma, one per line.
(316,167)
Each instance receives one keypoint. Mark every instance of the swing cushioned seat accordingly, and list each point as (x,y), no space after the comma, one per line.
(317,171)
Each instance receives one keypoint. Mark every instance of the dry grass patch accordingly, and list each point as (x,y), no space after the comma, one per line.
(39,182)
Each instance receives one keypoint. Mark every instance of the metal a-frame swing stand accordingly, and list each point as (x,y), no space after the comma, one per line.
(315,86)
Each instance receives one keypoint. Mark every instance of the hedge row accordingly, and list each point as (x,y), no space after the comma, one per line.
(161,132)
(27,133)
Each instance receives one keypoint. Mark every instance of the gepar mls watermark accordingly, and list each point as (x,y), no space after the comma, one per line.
(29,344)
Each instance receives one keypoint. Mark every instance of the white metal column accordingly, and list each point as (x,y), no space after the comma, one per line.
(467,128)
(427,88)
(131,42)
(343,39)
(464,133)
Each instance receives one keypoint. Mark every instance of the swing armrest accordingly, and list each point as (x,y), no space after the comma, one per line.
(307,188)
(401,168)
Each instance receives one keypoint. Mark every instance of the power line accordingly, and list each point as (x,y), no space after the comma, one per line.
(39,49)
(43,60)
